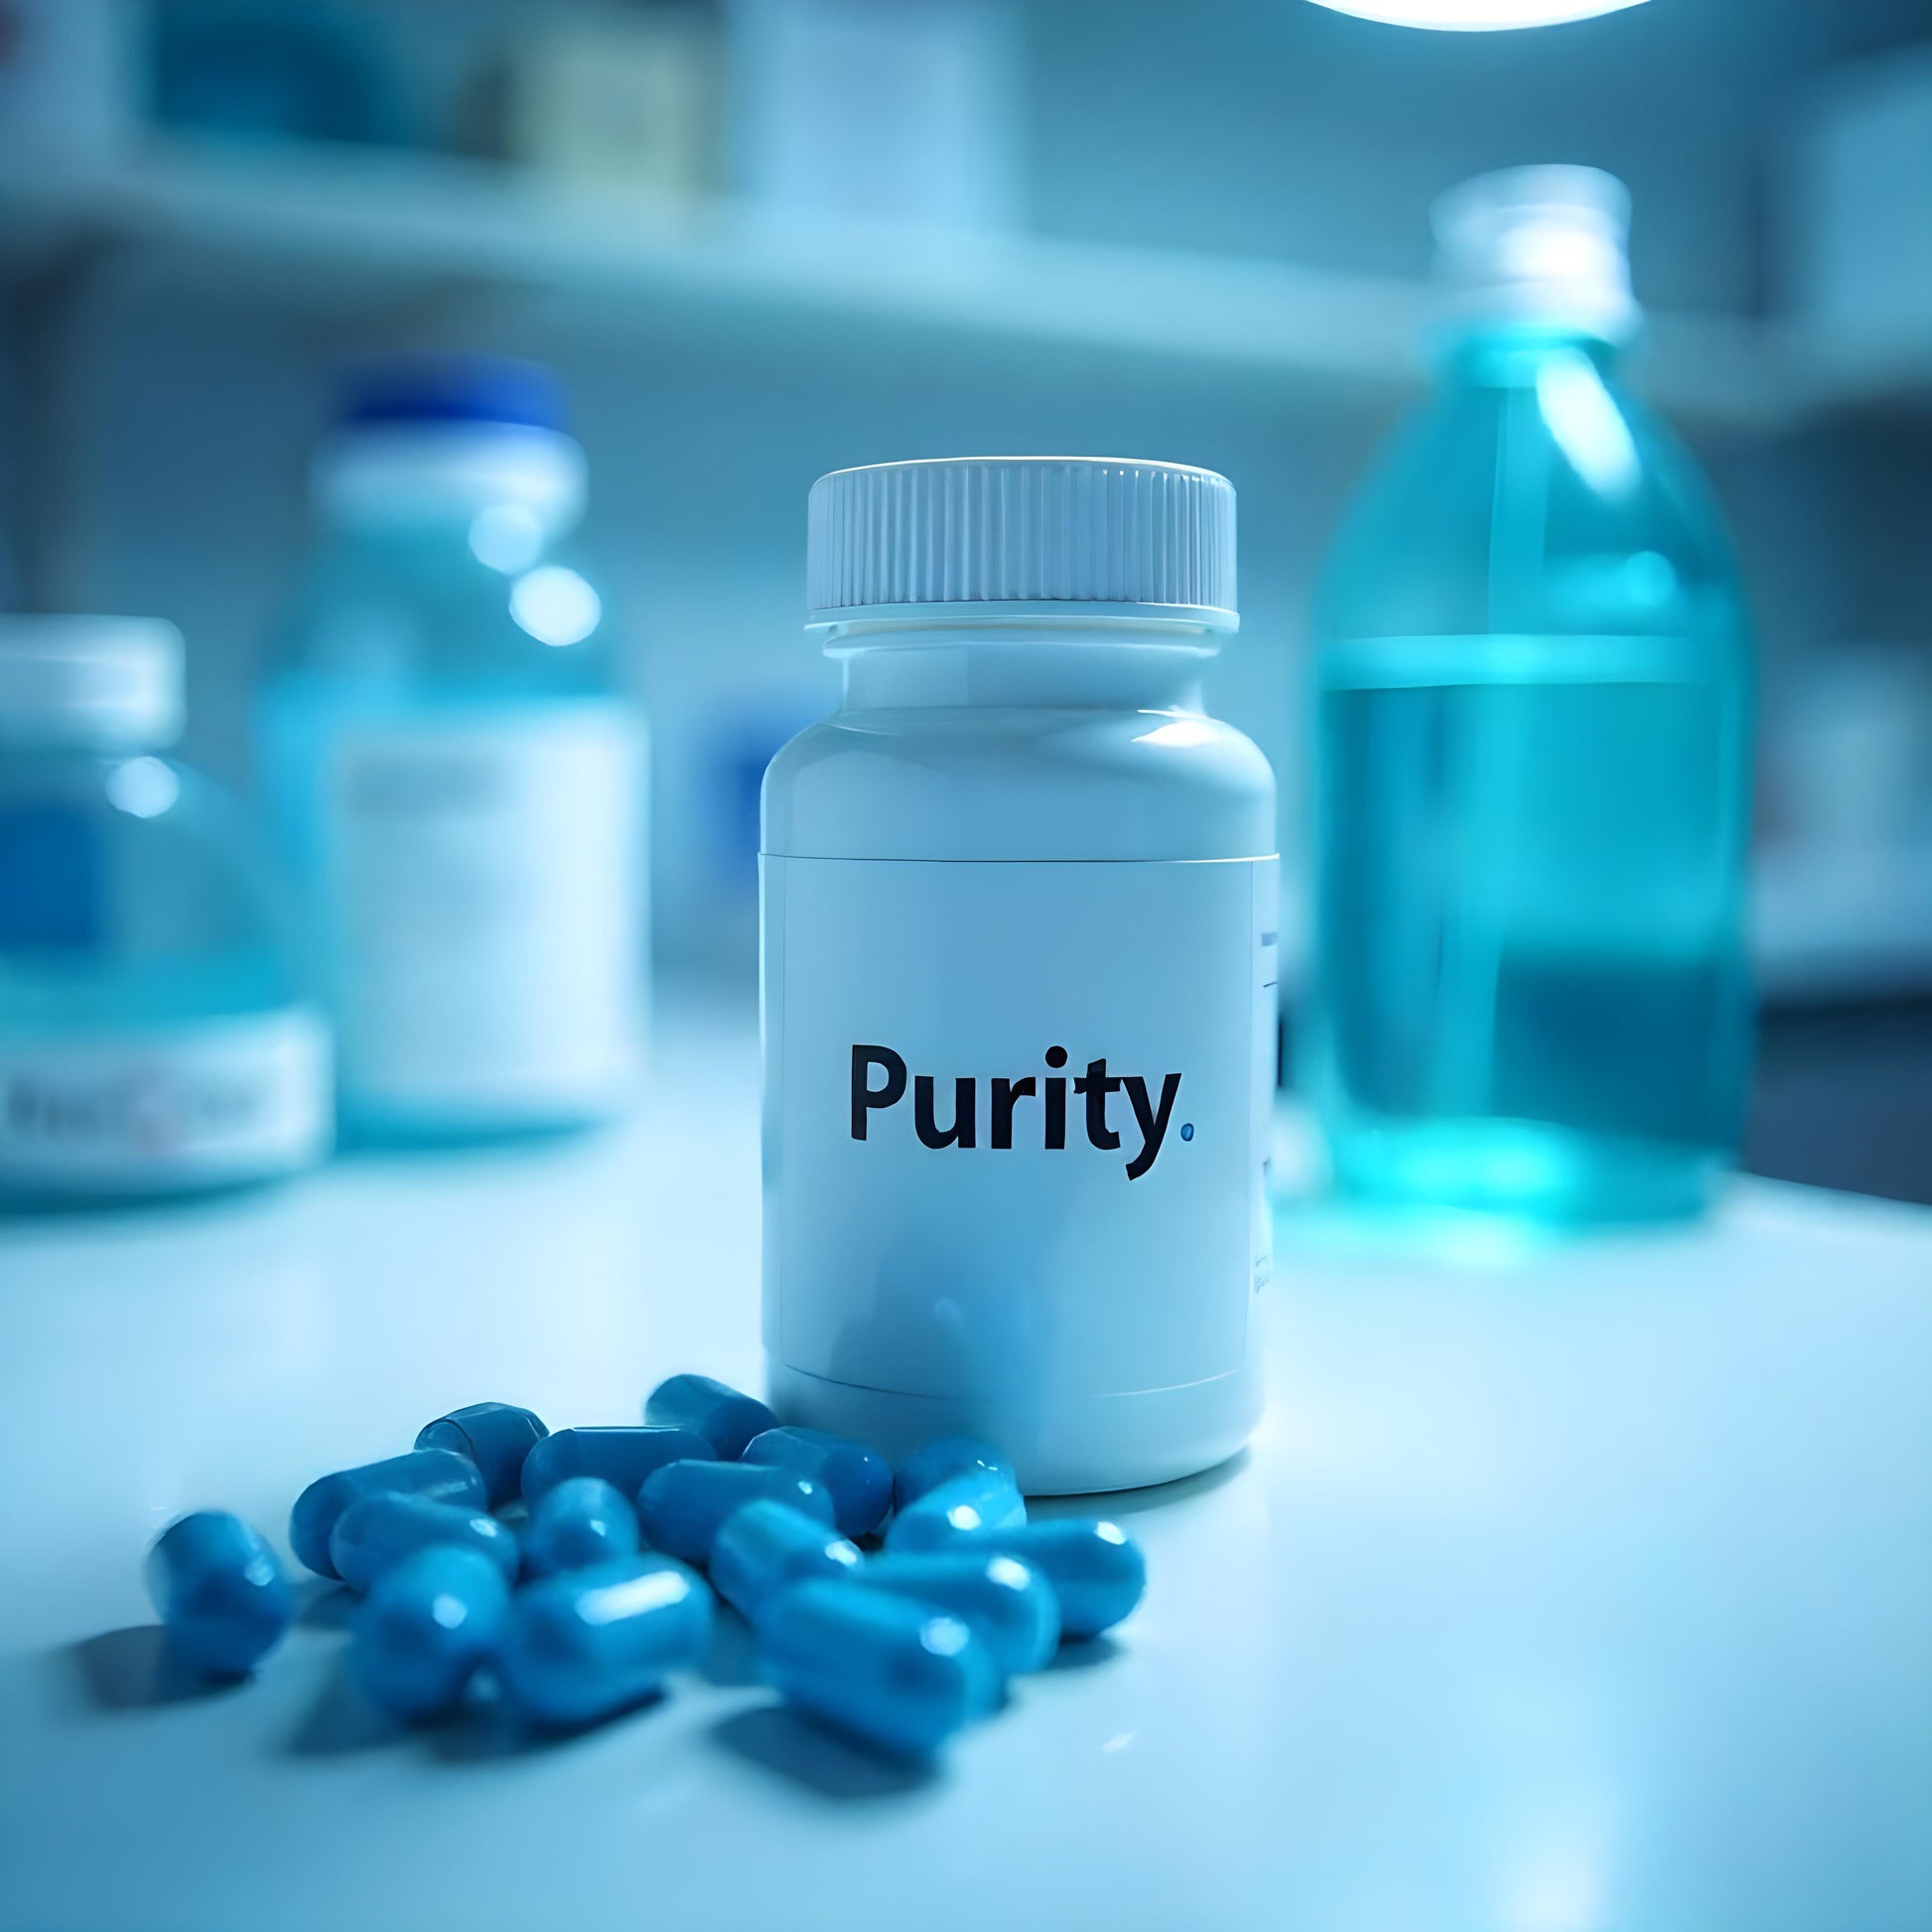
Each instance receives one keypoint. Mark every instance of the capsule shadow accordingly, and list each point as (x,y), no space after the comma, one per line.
(733,1661)
(489,1726)
(325,1605)
(134,1670)
(1083,1653)
(483,1731)
(778,1738)
(341,1720)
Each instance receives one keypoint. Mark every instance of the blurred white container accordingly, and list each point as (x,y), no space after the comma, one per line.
(1858,241)
(69,79)
(889,109)
(619,99)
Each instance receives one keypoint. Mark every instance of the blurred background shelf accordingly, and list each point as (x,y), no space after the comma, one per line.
(755,249)
(1828,928)
(331,230)
(1888,374)
(345,236)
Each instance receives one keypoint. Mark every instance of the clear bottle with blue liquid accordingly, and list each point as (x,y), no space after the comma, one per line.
(1533,712)
(456,770)
(157,1035)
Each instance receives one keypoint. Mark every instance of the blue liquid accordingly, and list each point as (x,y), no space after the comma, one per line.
(114,918)
(1533,714)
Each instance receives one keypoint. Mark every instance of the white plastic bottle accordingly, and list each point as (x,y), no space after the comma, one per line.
(456,770)
(1019,955)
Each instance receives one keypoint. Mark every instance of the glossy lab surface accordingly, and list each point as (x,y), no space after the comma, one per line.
(1566,1591)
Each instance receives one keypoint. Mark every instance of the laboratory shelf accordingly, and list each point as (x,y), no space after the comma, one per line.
(1567,1588)
(1842,925)
(323,226)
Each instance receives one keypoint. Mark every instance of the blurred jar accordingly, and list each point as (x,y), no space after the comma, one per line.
(1534,704)
(155,1034)
(70,80)
(906,112)
(457,778)
(611,99)
(298,70)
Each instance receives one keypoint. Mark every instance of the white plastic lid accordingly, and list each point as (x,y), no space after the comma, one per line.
(107,681)
(1538,244)
(1022,535)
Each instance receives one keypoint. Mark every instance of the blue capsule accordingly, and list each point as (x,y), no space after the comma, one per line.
(494,1435)
(896,1673)
(684,1505)
(1008,1604)
(589,1642)
(624,1454)
(951,1456)
(860,1480)
(1095,1567)
(582,1521)
(766,1547)
(979,1499)
(438,1473)
(218,1588)
(424,1628)
(713,1410)
(375,1535)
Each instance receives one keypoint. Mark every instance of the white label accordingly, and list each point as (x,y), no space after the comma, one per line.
(193,1106)
(1015,1115)
(486,879)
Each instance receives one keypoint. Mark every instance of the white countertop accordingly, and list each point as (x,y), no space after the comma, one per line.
(1564,1591)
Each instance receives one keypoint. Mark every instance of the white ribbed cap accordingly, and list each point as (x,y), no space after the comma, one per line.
(1022,535)
(1538,245)
(114,682)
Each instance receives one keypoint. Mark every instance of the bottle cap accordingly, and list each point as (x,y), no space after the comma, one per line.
(451,388)
(1022,536)
(437,439)
(1538,245)
(105,681)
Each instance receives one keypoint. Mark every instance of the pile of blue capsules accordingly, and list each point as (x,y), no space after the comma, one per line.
(599,1598)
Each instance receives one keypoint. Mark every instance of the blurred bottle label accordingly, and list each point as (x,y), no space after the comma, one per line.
(188,1106)
(485,877)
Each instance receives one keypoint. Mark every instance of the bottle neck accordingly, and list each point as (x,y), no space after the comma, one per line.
(1511,355)
(53,740)
(28,756)
(1074,666)
(504,492)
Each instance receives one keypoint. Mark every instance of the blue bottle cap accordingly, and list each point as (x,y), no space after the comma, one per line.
(450,388)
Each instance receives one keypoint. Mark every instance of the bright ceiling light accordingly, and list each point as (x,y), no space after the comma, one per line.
(1475,16)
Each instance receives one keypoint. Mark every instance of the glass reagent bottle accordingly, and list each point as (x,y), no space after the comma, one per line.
(1533,712)
(157,1031)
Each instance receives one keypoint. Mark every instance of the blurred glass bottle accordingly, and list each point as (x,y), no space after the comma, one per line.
(154,1034)
(459,779)
(1533,720)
